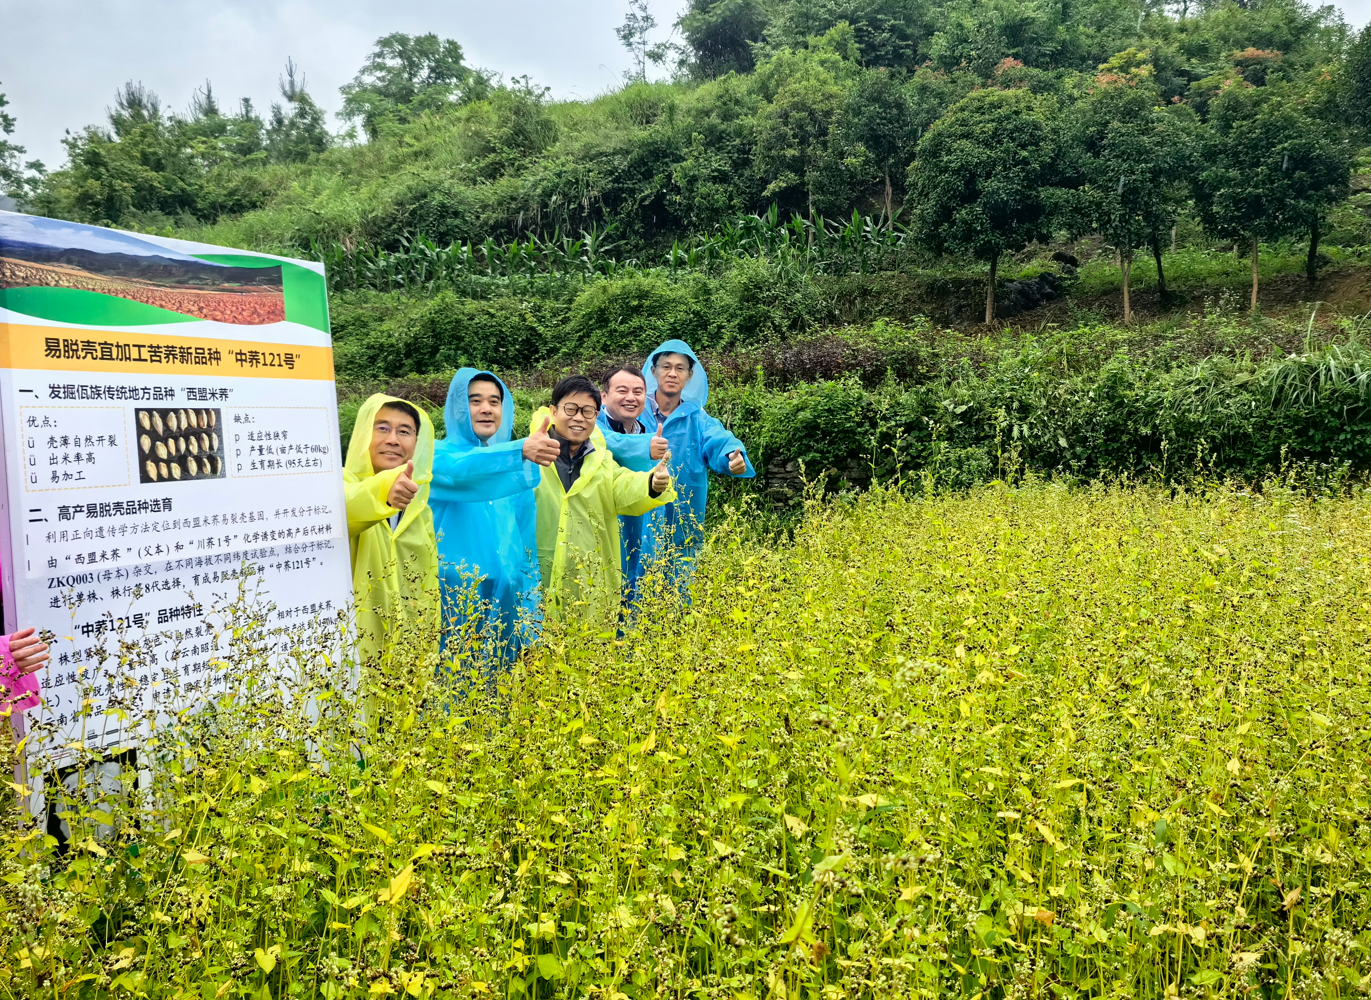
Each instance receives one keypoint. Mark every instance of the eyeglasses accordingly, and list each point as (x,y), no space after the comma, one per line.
(571,409)
(674,369)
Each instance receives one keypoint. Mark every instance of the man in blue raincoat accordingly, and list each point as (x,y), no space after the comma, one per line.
(484,517)
(677,389)
(624,412)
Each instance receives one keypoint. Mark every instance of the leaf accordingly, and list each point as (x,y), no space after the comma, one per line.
(267,959)
(729,741)
(550,966)
(833,863)
(795,825)
(722,849)
(436,786)
(422,851)
(378,833)
(800,931)
(399,885)
(257,785)
(1069,782)
(1215,808)
(1049,836)
(1292,897)
(194,857)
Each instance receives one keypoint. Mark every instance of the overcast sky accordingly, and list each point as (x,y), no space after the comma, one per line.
(62,60)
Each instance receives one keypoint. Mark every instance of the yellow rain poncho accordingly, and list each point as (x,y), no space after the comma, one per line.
(394,573)
(578,530)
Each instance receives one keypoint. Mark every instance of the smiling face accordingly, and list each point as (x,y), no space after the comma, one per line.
(672,372)
(487,406)
(393,439)
(625,397)
(574,416)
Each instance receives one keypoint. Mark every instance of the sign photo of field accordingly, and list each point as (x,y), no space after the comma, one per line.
(74,273)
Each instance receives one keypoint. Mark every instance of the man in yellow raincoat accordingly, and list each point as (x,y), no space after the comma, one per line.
(580,500)
(390,529)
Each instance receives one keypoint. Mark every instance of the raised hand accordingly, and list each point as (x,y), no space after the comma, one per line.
(30,653)
(539,446)
(403,490)
(658,446)
(661,478)
(737,464)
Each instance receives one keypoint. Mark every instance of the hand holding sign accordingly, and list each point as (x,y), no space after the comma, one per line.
(539,446)
(403,490)
(30,653)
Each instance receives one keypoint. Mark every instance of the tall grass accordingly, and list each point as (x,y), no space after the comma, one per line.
(1010,743)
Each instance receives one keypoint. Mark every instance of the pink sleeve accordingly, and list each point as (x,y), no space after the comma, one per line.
(20,693)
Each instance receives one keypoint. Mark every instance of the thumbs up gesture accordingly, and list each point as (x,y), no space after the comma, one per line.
(658,447)
(661,478)
(404,488)
(737,464)
(539,447)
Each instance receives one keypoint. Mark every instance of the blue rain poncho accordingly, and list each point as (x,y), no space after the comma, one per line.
(699,444)
(631,528)
(485,520)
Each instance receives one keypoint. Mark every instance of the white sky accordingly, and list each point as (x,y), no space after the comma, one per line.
(61,61)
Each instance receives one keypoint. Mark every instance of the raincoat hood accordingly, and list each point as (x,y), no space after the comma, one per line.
(457,412)
(359,450)
(697,389)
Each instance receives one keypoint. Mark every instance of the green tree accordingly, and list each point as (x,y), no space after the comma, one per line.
(406,75)
(635,34)
(984,181)
(720,35)
(9,151)
(889,33)
(1354,83)
(795,145)
(1274,171)
(877,119)
(297,130)
(1134,157)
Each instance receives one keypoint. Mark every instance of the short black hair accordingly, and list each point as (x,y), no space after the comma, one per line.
(573,384)
(690,362)
(487,377)
(623,368)
(403,407)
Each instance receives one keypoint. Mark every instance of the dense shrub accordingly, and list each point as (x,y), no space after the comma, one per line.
(1125,418)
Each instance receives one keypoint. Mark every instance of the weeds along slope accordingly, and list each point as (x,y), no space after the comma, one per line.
(1017,742)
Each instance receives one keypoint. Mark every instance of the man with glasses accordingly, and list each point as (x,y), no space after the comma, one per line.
(677,389)
(580,499)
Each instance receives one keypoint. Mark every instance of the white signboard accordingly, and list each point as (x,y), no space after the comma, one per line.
(170,426)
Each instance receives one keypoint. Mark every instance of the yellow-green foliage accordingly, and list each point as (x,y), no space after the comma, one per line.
(1026,742)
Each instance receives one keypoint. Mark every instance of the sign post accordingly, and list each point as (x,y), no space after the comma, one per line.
(169,424)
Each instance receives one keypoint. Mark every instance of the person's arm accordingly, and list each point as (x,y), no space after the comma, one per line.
(367,499)
(482,473)
(633,492)
(632,451)
(719,447)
